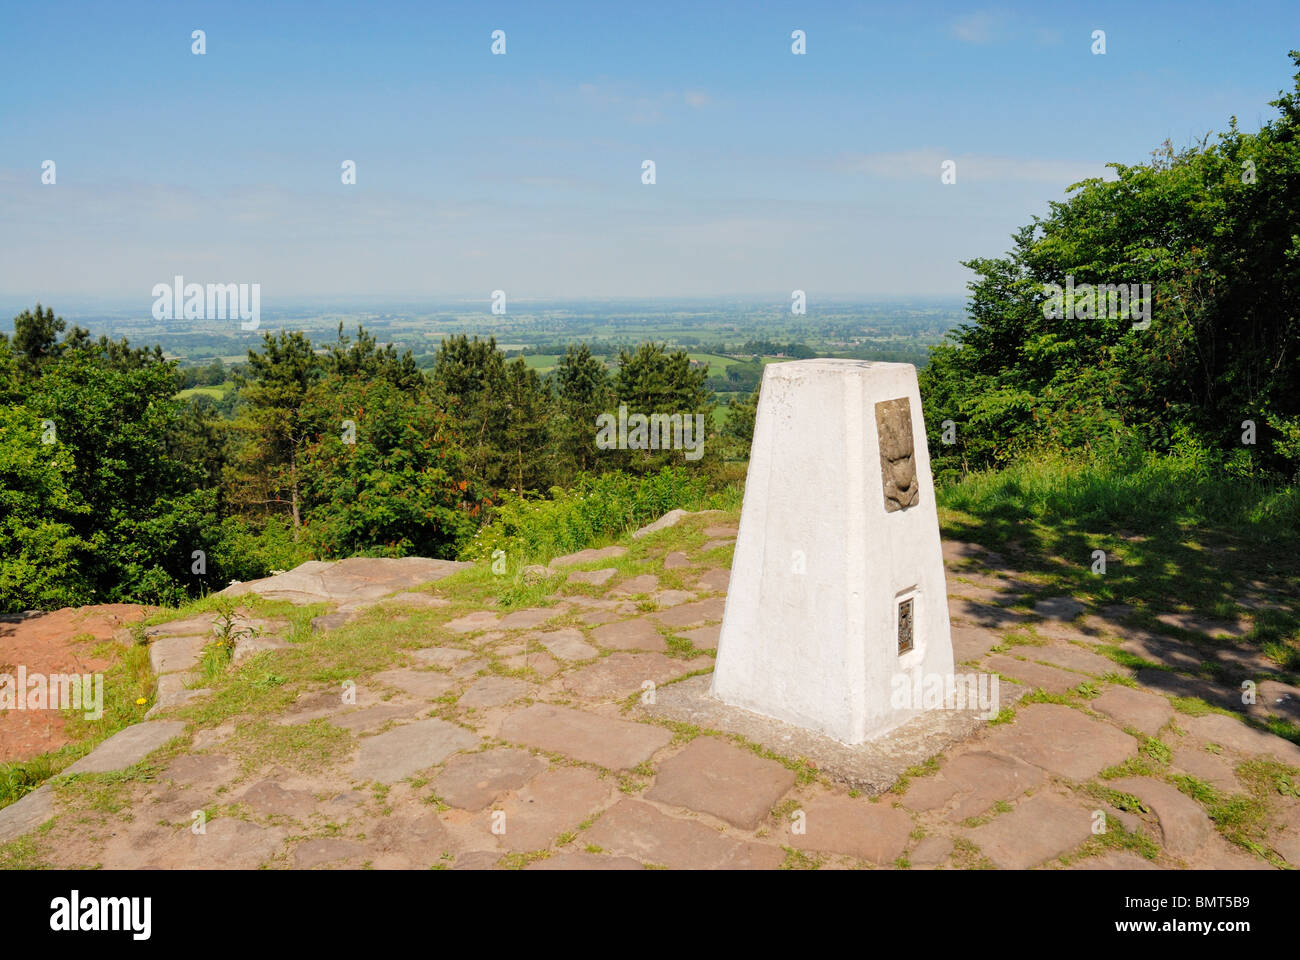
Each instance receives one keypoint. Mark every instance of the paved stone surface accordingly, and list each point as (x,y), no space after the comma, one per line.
(1067,656)
(492,691)
(315,853)
(604,741)
(976,781)
(669,519)
(471,781)
(555,802)
(1143,711)
(1033,674)
(1037,830)
(596,578)
(527,619)
(1231,732)
(1058,608)
(1210,628)
(930,852)
(479,620)
(1174,654)
(1114,860)
(645,583)
(1214,768)
(854,827)
(634,828)
(424,684)
(588,556)
(403,751)
(1275,699)
(714,580)
(670,598)
(26,814)
(971,643)
(676,560)
(1061,740)
(703,638)
(354,580)
(636,634)
(719,778)
(567,644)
(619,674)
(128,747)
(440,656)
(1183,824)
(271,799)
(171,654)
(692,614)
(569,860)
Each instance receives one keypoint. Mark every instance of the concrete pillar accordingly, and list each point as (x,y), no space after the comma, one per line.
(838,547)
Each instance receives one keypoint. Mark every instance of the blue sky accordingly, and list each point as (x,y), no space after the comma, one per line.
(523,172)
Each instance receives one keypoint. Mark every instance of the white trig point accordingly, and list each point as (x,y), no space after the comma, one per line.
(839,473)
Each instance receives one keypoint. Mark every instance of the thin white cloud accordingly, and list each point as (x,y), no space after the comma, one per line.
(979,28)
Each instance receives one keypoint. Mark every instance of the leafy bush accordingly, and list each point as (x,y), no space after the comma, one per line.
(596,508)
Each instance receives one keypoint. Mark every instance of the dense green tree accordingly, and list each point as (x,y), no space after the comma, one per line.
(271,426)
(583,393)
(1212,229)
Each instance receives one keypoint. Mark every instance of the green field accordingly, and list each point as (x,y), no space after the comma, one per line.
(216,393)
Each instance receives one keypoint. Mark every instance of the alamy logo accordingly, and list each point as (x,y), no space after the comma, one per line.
(951,691)
(73,913)
(214,301)
(1123,301)
(658,431)
(56,691)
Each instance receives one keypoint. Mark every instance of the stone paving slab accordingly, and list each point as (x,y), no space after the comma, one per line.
(176,654)
(854,827)
(620,674)
(527,619)
(587,556)
(441,656)
(470,622)
(644,583)
(567,644)
(553,803)
(424,684)
(604,741)
(1034,674)
(1143,711)
(636,634)
(1233,733)
(971,643)
(703,638)
(27,813)
(871,767)
(128,747)
(580,860)
(403,751)
(977,780)
(1183,824)
(1061,740)
(471,781)
(1039,829)
(1067,656)
(596,578)
(634,828)
(692,614)
(1213,768)
(347,581)
(715,777)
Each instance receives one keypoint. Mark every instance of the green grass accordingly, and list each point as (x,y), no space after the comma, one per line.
(218,392)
